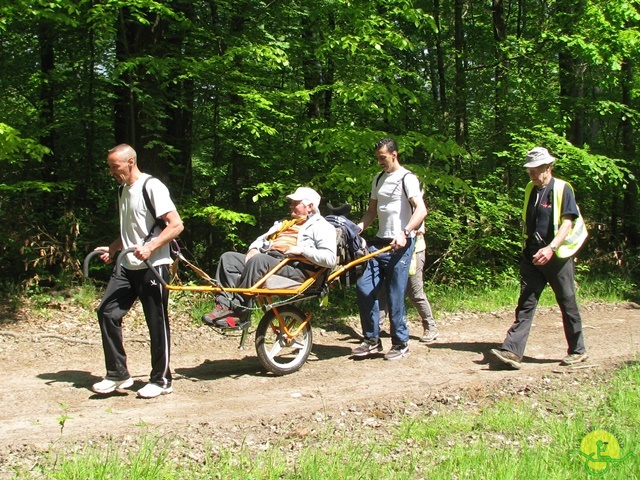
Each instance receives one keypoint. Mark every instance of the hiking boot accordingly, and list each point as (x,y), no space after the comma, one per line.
(397,352)
(367,347)
(429,336)
(507,357)
(152,390)
(108,386)
(574,358)
(218,313)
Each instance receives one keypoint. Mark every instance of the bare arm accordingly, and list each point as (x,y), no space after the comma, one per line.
(110,252)
(418,215)
(172,230)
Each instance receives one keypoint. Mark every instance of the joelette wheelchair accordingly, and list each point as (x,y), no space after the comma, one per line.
(283,337)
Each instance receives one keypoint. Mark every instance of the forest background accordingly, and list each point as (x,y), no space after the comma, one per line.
(235,103)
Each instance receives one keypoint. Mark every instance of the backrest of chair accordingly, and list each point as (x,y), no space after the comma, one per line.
(346,253)
(342,250)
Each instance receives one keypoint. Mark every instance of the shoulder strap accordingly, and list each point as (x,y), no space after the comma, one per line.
(159,222)
(378,178)
(404,187)
(147,200)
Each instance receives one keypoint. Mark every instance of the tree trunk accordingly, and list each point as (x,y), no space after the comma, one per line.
(501,85)
(312,69)
(571,71)
(630,202)
(460,77)
(90,116)
(441,84)
(124,106)
(179,123)
(158,126)
(47,98)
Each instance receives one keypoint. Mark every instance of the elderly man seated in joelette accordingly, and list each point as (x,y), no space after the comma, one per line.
(306,233)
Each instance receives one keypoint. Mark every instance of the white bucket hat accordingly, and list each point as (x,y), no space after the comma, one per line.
(538,156)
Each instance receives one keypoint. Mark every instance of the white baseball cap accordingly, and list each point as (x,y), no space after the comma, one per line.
(305,194)
(538,156)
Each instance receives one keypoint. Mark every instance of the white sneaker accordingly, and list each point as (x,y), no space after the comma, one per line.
(152,390)
(108,386)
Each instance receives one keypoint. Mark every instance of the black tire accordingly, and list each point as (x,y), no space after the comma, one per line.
(278,353)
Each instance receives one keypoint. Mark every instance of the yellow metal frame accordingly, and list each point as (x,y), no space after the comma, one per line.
(259,290)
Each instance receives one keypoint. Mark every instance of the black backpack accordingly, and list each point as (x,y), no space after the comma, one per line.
(350,246)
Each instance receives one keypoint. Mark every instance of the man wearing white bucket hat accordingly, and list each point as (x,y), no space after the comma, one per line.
(553,232)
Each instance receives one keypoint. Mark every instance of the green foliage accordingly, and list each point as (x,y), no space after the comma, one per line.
(234,104)
(224,221)
(15,150)
(85,295)
(146,463)
(579,166)
(478,231)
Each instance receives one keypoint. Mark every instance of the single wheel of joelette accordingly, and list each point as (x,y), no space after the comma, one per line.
(279,353)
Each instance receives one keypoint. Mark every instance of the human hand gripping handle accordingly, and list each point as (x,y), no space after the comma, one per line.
(105,255)
(103,252)
(399,241)
(126,251)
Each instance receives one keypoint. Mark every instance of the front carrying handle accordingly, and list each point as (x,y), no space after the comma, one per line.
(87,259)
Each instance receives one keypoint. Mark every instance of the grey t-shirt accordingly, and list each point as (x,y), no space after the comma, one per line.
(136,221)
(394,208)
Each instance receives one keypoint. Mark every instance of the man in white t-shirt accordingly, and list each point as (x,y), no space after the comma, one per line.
(139,229)
(396,200)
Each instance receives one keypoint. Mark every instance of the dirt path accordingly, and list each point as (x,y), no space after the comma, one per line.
(50,366)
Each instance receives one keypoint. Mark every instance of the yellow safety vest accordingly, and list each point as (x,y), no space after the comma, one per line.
(578,233)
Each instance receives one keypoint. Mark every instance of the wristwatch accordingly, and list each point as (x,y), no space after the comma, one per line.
(553,248)
(406,232)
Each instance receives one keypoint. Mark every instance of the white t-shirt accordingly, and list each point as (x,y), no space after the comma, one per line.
(394,209)
(136,221)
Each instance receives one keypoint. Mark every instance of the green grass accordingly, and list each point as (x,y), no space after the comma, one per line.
(505,295)
(491,436)
(516,436)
